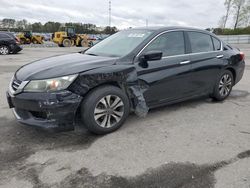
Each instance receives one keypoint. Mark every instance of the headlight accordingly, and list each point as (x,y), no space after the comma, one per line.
(54,84)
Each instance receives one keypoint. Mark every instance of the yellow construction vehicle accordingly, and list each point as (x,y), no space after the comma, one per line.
(67,37)
(26,37)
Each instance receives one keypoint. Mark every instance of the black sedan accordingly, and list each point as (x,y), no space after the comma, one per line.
(9,43)
(131,71)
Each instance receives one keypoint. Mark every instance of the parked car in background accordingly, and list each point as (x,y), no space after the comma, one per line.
(9,43)
(132,70)
(47,36)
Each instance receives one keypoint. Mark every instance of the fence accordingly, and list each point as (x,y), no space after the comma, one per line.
(235,39)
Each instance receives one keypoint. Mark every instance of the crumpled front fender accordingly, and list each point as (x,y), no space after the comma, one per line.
(124,75)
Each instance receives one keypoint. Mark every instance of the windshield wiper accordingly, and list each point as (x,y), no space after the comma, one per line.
(91,54)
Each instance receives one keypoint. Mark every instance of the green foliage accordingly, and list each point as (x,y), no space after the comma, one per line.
(51,27)
(83,28)
(8,23)
(237,31)
(110,30)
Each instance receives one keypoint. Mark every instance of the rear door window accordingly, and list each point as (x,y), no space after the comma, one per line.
(200,42)
(3,36)
(217,44)
(170,44)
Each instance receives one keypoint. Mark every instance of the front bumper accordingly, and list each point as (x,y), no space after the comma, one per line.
(50,111)
(16,48)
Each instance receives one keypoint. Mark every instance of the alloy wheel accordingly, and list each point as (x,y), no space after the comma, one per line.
(225,85)
(109,111)
(4,50)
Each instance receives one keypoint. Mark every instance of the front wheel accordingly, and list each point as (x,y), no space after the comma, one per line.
(105,109)
(66,43)
(223,86)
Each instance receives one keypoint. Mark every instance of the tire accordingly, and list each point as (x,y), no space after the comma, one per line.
(4,50)
(83,43)
(99,119)
(91,44)
(66,43)
(223,86)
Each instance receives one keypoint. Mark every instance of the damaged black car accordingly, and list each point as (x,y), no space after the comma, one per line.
(131,71)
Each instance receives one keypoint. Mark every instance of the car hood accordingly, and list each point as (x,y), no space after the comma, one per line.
(62,65)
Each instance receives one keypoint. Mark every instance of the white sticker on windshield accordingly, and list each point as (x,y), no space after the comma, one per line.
(136,35)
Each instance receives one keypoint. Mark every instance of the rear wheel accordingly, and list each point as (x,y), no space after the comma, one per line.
(66,43)
(223,86)
(105,109)
(4,50)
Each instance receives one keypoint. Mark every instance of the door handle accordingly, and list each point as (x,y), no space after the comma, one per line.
(184,62)
(219,56)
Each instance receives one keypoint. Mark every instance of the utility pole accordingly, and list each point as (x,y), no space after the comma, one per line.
(146,22)
(110,14)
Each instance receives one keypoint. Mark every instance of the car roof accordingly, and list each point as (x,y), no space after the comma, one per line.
(168,28)
(160,29)
(5,32)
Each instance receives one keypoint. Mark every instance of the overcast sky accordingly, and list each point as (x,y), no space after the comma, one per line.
(129,13)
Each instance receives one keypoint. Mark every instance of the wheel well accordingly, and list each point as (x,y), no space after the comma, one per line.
(233,72)
(112,83)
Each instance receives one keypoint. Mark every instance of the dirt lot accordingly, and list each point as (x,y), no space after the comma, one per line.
(197,143)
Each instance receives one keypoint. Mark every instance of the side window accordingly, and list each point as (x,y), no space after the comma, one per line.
(217,44)
(170,44)
(4,36)
(227,47)
(200,42)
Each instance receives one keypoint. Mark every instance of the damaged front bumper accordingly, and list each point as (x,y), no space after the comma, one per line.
(51,111)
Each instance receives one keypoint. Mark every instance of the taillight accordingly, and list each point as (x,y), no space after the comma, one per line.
(242,56)
(17,40)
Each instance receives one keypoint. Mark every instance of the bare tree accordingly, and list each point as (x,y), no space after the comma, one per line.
(221,22)
(228,5)
(246,15)
(238,6)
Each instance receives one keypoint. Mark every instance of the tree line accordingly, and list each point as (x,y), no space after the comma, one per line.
(51,27)
(239,11)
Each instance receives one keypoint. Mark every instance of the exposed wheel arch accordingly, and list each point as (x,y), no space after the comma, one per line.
(111,83)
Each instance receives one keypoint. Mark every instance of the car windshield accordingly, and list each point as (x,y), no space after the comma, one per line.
(119,44)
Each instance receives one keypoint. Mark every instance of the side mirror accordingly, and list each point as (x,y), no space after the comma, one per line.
(151,56)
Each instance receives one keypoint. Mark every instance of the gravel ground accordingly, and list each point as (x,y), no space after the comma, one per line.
(197,143)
